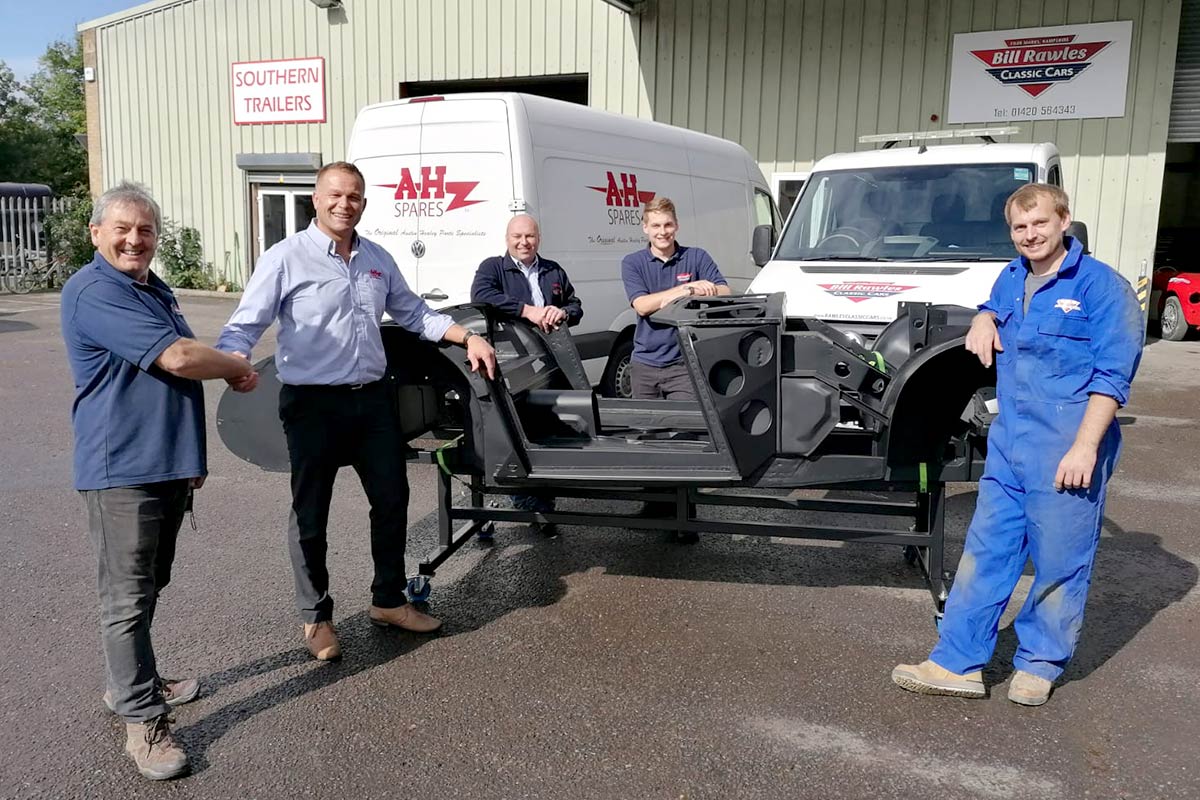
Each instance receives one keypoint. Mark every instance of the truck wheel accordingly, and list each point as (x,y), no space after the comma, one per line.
(617,381)
(1171,323)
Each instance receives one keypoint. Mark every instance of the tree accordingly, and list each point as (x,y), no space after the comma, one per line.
(39,120)
(56,90)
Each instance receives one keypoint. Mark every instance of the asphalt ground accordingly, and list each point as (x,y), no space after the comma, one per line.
(605,663)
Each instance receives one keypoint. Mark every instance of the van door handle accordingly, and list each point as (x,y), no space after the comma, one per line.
(436,294)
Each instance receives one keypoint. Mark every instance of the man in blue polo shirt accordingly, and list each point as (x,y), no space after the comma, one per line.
(138,418)
(655,277)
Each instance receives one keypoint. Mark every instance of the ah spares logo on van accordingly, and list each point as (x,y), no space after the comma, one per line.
(856,291)
(427,197)
(1038,63)
(624,200)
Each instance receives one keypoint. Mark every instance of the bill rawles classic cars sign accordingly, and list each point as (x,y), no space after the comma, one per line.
(1064,72)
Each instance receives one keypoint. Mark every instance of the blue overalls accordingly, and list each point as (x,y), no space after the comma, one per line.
(1082,335)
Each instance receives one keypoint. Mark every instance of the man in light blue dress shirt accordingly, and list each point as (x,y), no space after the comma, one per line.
(329,287)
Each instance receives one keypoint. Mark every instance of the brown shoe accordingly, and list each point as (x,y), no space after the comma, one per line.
(154,750)
(406,617)
(1028,689)
(321,640)
(929,678)
(175,693)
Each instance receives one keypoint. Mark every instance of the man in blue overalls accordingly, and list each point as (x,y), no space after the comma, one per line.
(1067,335)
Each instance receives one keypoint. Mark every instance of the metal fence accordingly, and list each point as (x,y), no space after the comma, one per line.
(26,260)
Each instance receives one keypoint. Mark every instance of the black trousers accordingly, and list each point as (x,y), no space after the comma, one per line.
(329,427)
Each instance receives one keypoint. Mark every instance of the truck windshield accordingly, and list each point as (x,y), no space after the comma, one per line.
(941,212)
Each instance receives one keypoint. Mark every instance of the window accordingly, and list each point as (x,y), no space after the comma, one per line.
(764,211)
(1055,176)
(787,189)
(281,211)
(952,212)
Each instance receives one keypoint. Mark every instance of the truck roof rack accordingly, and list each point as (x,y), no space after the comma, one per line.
(892,139)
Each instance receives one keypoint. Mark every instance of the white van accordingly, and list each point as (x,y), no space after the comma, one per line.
(920,224)
(445,174)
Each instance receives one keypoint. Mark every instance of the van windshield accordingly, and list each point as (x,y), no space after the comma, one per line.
(948,212)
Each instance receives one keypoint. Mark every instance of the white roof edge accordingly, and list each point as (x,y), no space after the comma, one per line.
(129,13)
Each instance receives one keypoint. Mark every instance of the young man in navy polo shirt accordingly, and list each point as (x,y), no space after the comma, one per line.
(138,418)
(654,278)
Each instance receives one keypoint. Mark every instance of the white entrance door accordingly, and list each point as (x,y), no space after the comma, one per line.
(282,210)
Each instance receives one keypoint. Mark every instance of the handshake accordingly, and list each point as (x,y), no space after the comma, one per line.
(246,382)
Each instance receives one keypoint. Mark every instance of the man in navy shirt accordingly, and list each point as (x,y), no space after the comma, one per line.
(521,284)
(654,278)
(138,418)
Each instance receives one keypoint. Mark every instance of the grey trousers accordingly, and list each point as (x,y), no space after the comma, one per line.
(133,531)
(672,382)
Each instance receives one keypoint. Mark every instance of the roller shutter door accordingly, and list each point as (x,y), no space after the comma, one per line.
(1185,98)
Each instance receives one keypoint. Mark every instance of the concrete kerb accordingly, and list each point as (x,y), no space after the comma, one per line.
(204,293)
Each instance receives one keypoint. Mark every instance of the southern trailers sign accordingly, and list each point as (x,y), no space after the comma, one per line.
(266,92)
(1065,72)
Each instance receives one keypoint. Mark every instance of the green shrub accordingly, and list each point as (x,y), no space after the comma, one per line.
(182,258)
(68,236)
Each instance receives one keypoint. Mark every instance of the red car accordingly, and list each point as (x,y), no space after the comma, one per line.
(1175,298)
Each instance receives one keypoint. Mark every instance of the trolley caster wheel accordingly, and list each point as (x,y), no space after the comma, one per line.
(911,555)
(487,534)
(418,588)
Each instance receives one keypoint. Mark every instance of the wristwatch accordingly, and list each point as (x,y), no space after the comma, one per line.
(690,289)
(467,337)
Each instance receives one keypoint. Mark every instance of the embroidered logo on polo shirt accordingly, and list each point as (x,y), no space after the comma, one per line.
(683,277)
(376,274)
(1066,305)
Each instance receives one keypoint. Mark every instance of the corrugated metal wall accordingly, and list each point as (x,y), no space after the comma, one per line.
(791,80)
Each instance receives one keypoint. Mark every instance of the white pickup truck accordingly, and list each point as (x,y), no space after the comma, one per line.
(875,228)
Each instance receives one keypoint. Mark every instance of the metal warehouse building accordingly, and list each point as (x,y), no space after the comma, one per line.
(171,102)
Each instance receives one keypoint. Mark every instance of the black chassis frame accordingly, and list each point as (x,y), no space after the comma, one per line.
(781,404)
(827,362)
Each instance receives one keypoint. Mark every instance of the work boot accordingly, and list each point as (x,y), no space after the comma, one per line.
(175,693)
(321,640)
(405,616)
(929,678)
(154,750)
(1028,689)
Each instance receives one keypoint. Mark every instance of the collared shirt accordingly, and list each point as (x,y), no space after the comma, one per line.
(1082,334)
(329,311)
(530,271)
(500,283)
(643,273)
(134,422)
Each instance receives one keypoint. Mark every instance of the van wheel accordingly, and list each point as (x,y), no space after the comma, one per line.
(617,380)
(1171,323)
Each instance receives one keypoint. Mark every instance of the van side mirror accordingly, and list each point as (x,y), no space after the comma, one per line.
(761,244)
(1077,230)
